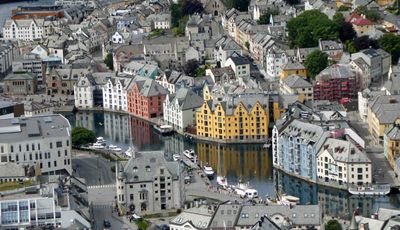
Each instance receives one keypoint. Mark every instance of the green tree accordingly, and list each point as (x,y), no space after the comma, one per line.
(315,62)
(391,44)
(109,61)
(82,136)
(241,5)
(373,16)
(350,46)
(343,8)
(306,29)
(176,14)
(264,19)
(338,18)
(333,225)
(361,10)
(346,32)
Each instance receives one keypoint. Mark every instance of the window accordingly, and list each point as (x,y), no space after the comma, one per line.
(59,144)
(51,145)
(131,197)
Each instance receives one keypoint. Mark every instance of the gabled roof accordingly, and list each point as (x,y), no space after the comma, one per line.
(187,99)
(20,76)
(358,20)
(295,81)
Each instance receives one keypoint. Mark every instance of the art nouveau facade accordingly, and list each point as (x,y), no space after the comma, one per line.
(83,95)
(276,59)
(115,94)
(23,29)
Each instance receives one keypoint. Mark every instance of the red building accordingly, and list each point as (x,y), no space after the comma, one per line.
(336,83)
(145,98)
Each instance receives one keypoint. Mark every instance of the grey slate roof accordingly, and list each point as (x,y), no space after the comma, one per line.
(136,166)
(187,99)
(386,108)
(149,87)
(345,151)
(393,132)
(295,81)
(32,106)
(20,76)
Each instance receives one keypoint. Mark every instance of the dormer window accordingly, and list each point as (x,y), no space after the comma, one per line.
(135,169)
(148,168)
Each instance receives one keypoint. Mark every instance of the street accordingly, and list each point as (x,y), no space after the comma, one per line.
(93,168)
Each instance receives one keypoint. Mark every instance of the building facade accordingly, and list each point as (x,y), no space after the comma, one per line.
(8,52)
(23,29)
(391,144)
(20,84)
(40,141)
(115,94)
(147,183)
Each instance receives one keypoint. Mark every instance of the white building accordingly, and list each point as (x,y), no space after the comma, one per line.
(160,21)
(115,94)
(117,38)
(41,141)
(43,207)
(35,108)
(342,162)
(148,183)
(224,48)
(23,29)
(88,90)
(276,59)
(89,3)
(180,108)
(239,64)
(8,52)
(364,98)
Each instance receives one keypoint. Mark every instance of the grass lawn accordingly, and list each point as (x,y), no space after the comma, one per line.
(142,224)
(14,185)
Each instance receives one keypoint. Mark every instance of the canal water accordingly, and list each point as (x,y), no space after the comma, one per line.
(246,162)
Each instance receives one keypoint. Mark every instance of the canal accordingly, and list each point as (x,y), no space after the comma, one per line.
(246,162)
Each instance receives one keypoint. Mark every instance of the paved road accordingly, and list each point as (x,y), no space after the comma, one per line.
(93,168)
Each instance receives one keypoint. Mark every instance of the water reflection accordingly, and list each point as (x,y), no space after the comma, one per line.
(249,163)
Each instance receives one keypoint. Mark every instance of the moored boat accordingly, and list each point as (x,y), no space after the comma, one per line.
(176,157)
(208,170)
(222,181)
(245,191)
(164,129)
(288,200)
(189,153)
(371,190)
(97,146)
(100,140)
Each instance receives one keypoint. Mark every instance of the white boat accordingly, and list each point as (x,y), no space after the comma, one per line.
(100,140)
(372,190)
(164,129)
(288,200)
(176,157)
(189,153)
(222,181)
(245,191)
(208,170)
(129,152)
(115,148)
(97,146)
(111,147)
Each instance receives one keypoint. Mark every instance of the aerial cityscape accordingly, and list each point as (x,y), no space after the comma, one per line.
(200,114)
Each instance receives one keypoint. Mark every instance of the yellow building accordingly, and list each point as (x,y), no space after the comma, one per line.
(244,117)
(295,68)
(392,144)
(384,2)
(382,113)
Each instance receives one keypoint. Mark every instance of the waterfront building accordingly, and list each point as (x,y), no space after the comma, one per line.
(391,144)
(180,108)
(10,109)
(8,52)
(342,162)
(383,111)
(297,85)
(23,29)
(145,98)
(60,80)
(49,205)
(147,183)
(33,108)
(244,117)
(293,68)
(20,83)
(89,90)
(336,83)
(115,94)
(40,141)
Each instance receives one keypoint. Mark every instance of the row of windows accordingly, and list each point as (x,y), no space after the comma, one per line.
(32,147)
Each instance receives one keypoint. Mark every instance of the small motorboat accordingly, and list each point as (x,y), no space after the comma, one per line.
(100,140)
(97,146)
(111,147)
(189,153)
(222,181)
(129,152)
(164,129)
(288,200)
(176,157)
(208,170)
(245,191)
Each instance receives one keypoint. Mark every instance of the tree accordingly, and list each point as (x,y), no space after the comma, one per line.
(350,47)
(306,29)
(109,61)
(190,67)
(189,7)
(82,136)
(333,225)
(176,14)
(361,10)
(264,19)
(247,45)
(315,62)
(391,44)
(364,42)
(373,16)
(338,18)
(241,5)
(343,8)
(346,32)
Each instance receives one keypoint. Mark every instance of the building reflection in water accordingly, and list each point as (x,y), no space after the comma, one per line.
(116,127)
(143,135)
(334,202)
(245,162)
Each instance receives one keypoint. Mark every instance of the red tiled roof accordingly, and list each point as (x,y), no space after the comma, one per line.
(358,20)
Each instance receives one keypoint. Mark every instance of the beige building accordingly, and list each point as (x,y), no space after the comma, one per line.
(296,85)
(20,83)
(147,183)
(341,161)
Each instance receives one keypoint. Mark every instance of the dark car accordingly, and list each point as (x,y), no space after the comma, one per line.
(107,224)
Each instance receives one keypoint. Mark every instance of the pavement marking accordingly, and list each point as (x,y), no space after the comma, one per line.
(101,186)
